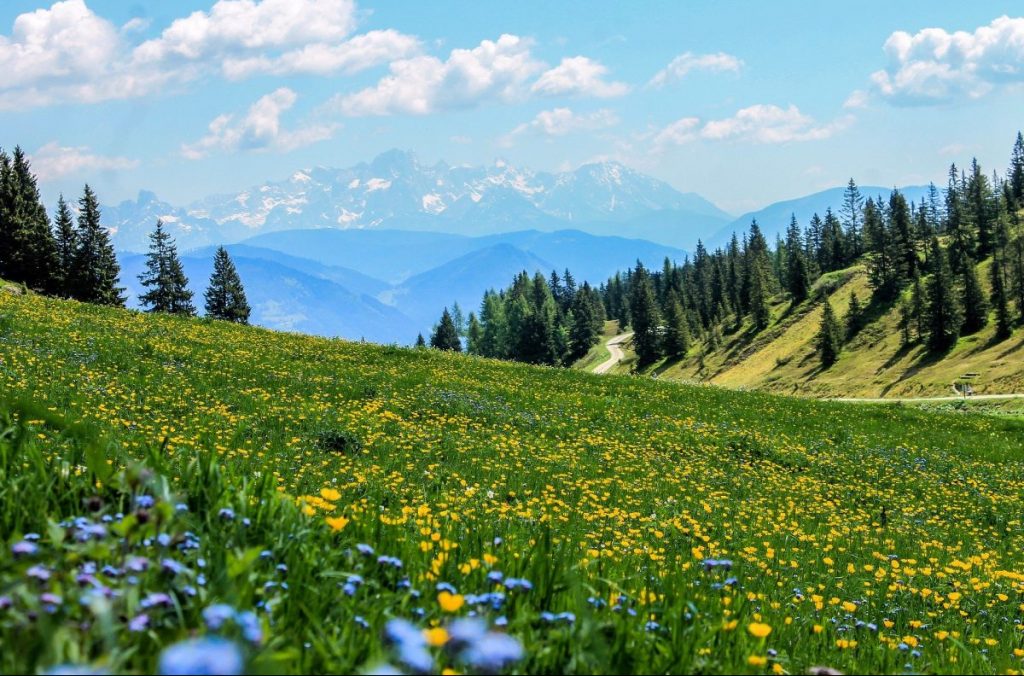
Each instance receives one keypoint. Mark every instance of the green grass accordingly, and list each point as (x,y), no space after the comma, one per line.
(607,493)
(599,353)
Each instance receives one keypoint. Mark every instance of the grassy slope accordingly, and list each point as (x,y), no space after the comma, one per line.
(873,363)
(599,353)
(601,487)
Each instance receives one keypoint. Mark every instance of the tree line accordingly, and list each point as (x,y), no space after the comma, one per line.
(73,257)
(922,257)
(536,320)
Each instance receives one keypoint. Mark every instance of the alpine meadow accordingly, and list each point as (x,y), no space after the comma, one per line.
(572,385)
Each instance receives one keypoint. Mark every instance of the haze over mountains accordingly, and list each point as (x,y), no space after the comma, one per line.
(376,250)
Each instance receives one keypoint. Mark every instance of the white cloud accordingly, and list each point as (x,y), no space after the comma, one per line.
(771,124)
(259,129)
(560,122)
(759,124)
(680,132)
(578,76)
(934,66)
(685,63)
(67,53)
(494,70)
(858,98)
(53,161)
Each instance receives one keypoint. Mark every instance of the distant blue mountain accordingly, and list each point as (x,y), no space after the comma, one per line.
(774,218)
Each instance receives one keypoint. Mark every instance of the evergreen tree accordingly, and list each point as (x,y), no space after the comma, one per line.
(495,340)
(829,341)
(677,332)
(95,269)
(446,336)
(851,213)
(1017,275)
(918,309)
(29,253)
(854,317)
(164,277)
(1016,173)
(904,242)
(797,277)
(474,334)
(1000,300)
(225,297)
(459,319)
(643,311)
(981,208)
(584,332)
(756,281)
(882,263)
(961,234)
(975,305)
(569,284)
(67,244)
(943,311)
(420,342)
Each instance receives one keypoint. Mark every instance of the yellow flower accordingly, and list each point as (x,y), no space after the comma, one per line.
(942,635)
(759,629)
(757,660)
(436,637)
(849,607)
(817,629)
(330,494)
(778,669)
(449,602)
(337,523)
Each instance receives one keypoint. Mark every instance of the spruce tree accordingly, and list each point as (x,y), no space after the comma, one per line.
(918,310)
(851,213)
(494,340)
(225,296)
(829,341)
(446,337)
(854,317)
(797,277)
(420,342)
(164,277)
(474,332)
(1000,299)
(1017,275)
(67,243)
(95,270)
(30,250)
(974,303)
(643,312)
(943,309)
(677,332)
(1016,174)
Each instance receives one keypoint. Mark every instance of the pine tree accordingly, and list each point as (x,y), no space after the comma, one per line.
(420,342)
(902,232)
(677,332)
(1017,275)
(854,317)
(980,205)
(446,337)
(918,310)
(962,240)
(67,243)
(30,251)
(459,319)
(1016,173)
(164,277)
(583,332)
(643,311)
(851,212)
(883,268)
(829,341)
(474,332)
(95,270)
(756,282)
(1000,300)
(494,340)
(943,310)
(797,278)
(974,303)
(225,296)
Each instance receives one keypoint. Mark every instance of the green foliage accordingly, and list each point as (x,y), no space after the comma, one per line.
(944,314)
(225,296)
(644,316)
(165,277)
(446,336)
(829,342)
(95,269)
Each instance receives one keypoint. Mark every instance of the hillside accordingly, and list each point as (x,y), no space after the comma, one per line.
(874,363)
(306,506)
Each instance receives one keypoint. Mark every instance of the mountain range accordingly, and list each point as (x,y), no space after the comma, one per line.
(386,285)
(396,191)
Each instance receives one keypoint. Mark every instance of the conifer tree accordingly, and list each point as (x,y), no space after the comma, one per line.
(677,332)
(854,317)
(459,319)
(1016,173)
(974,303)
(851,213)
(474,332)
(829,341)
(943,310)
(29,251)
(95,269)
(67,243)
(797,277)
(494,340)
(420,342)
(225,296)
(1000,299)
(882,263)
(643,312)
(918,310)
(1017,275)
(164,277)
(446,337)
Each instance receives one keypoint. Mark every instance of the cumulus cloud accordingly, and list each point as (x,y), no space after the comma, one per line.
(759,124)
(53,161)
(578,76)
(494,70)
(685,63)
(259,129)
(935,66)
(67,53)
(560,122)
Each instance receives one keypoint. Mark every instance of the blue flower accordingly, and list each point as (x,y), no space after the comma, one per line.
(144,501)
(156,599)
(364,549)
(216,615)
(38,572)
(226,513)
(201,657)
(250,625)
(24,548)
(139,623)
(493,652)
(517,583)
(410,645)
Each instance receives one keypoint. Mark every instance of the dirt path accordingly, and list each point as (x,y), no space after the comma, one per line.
(892,400)
(616,352)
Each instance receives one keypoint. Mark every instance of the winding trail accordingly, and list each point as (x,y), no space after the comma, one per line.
(616,352)
(893,400)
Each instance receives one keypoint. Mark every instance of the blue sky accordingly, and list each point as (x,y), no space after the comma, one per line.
(743,102)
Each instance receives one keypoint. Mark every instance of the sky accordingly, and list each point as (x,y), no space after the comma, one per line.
(745,103)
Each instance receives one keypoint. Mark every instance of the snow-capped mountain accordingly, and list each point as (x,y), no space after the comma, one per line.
(396,191)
